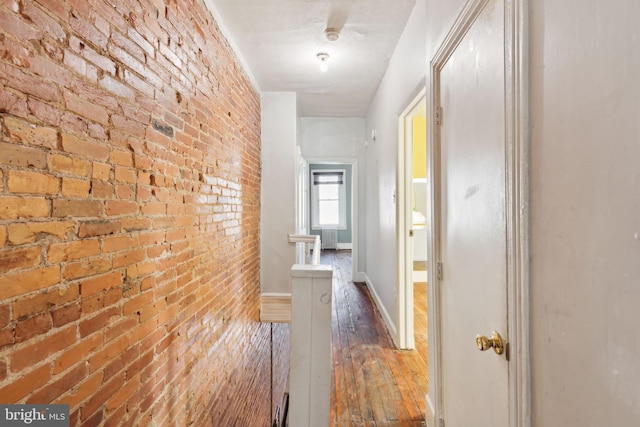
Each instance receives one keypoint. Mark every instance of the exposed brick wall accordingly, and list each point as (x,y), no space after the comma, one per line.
(129,214)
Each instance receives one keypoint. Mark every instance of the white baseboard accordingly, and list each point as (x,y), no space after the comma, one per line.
(359,277)
(344,246)
(430,413)
(389,323)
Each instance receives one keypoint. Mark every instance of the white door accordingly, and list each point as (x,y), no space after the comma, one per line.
(473,228)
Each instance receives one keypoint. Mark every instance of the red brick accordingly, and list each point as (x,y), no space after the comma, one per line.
(14,284)
(23,207)
(97,322)
(98,284)
(17,79)
(53,390)
(77,188)
(154,208)
(99,228)
(124,174)
(27,133)
(129,257)
(16,390)
(13,103)
(97,88)
(135,304)
(121,207)
(39,350)
(32,182)
(44,300)
(18,258)
(77,353)
(77,208)
(30,232)
(141,269)
(69,165)
(87,31)
(125,325)
(43,111)
(129,126)
(21,155)
(84,147)
(43,21)
(7,336)
(73,250)
(117,88)
(119,243)
(66,314)
(56,7)
(123,393)
(102,190)
(108,353)
(100,397)
(36,325)
(121,158)
(5,315)
(142,162)
(86,268)
(101,171)
(133,224)
(124,192)
(101,61)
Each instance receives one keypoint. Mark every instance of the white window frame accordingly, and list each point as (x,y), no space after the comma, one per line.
(342,201)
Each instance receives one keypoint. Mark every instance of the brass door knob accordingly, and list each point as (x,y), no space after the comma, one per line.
(484,343)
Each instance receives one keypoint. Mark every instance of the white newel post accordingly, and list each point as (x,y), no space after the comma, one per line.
(311,354)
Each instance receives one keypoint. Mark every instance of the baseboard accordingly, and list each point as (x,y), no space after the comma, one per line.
(390,324)
(275,307)
(344,246)
(430,413)
(359,277)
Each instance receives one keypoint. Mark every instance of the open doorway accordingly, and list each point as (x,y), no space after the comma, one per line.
(412,226)
(346,230)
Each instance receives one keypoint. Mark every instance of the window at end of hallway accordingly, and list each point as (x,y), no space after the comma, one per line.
(328,199)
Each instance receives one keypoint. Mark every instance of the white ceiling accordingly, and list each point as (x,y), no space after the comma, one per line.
(279,41)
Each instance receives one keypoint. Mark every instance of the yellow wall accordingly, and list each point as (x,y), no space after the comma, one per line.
(419,147)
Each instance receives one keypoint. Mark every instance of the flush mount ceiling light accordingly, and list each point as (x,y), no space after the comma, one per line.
(332,34)
(323,57)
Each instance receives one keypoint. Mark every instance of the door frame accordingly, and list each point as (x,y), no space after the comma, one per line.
(405,338)
(517,207)
(355,276)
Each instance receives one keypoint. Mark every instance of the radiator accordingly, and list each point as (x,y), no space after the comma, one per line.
(329,238)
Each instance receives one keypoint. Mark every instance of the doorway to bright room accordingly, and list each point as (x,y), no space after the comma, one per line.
(412,227)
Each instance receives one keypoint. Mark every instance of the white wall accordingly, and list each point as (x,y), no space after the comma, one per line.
(585,207)
(278,190)
(339,138)
(585,212)
(402,82)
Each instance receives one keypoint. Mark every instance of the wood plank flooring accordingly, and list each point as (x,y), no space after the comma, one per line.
(374,384)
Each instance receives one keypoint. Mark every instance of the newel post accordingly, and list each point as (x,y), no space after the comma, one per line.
(311,354)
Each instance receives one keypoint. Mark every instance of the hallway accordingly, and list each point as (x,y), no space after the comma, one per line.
(374,384)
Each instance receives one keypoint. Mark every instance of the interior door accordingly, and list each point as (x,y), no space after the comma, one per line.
(473,230)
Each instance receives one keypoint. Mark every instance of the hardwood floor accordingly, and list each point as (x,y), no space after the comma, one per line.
(373,384)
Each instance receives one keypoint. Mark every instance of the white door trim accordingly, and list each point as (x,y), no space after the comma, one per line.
(517,207)
(355,275)
(405,338)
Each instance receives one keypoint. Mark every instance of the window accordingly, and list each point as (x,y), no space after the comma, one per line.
(328,199)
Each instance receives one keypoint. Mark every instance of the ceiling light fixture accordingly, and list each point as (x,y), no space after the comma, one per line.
(323,57)
(332,34)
